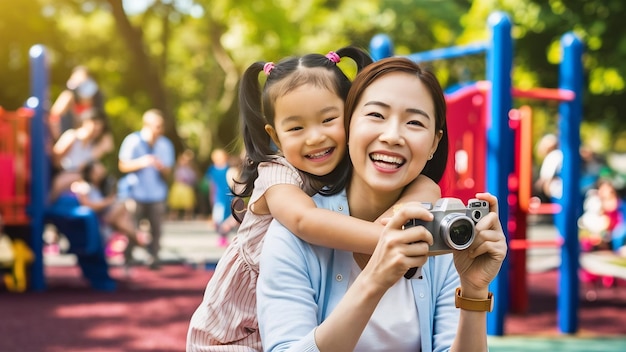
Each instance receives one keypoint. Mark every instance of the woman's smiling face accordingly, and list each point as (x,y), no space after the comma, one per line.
(392,132)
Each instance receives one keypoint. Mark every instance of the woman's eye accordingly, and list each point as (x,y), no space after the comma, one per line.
(416,123)
(376,114)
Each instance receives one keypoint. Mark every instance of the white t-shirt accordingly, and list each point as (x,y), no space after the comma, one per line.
(394,321)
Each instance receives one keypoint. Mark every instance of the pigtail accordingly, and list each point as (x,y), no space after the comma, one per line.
(342,173)
(360,57)
(256,141)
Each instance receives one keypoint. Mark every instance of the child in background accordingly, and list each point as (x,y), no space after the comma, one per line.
(220,193)
(95,191)
(182,197)
(300,109)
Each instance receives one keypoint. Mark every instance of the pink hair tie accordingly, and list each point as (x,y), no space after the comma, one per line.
(332,56)
(268,67)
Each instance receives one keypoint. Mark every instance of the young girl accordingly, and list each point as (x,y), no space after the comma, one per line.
(300,110)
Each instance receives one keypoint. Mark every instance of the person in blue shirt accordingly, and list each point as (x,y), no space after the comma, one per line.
(220,193)
(313,298)
(147,157)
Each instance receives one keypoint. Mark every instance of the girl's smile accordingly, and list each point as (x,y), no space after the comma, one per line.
(309,129)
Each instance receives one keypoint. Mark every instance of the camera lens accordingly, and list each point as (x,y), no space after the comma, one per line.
(457,231)
(461,232)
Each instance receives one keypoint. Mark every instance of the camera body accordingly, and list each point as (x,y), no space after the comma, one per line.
(453,224)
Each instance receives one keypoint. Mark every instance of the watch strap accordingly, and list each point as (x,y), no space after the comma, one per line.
(476,305)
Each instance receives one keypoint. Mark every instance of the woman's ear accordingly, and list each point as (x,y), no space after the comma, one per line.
(436,140)
(272,132)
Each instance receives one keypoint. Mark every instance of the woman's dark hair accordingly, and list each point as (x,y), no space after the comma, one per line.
(435,167)
(256,105)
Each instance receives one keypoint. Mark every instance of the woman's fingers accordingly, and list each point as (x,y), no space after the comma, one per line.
(489,241)
(491,199)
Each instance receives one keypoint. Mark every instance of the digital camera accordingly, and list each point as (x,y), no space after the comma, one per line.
(453,224)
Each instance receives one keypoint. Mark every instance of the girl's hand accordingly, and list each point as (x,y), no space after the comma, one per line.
(398,249)
(480,263)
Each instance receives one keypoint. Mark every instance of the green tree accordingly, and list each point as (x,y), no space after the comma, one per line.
(186,56)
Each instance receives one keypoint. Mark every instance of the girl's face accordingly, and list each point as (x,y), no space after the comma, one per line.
(308,129)
(392,132)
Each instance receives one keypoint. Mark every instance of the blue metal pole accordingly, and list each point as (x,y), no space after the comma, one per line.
(39,159)
(570,114)
(381,47)
(449,52)
(500,144)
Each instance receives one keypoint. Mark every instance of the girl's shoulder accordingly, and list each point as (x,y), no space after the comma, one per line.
(277,166)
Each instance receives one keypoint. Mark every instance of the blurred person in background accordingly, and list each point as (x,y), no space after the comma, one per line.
(220,193)
(81,93)
(76,147)
(182,197)
(147,157)
(96,190)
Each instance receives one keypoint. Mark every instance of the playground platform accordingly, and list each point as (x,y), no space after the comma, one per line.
(150,310)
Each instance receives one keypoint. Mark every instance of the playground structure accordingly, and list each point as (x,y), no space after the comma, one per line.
(489,150)
(24,186)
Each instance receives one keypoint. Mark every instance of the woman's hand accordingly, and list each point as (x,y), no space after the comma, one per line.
(480,263)
(400,249)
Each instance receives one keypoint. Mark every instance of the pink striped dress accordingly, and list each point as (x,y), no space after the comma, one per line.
(226,319)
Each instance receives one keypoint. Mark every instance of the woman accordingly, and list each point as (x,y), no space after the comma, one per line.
(315,298)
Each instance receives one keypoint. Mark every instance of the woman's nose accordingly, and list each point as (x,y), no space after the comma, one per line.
(391,133)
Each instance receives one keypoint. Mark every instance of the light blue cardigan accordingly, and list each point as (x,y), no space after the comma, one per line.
(300,284)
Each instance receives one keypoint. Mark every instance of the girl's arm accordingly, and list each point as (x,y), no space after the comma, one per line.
(422,189)
(293,208)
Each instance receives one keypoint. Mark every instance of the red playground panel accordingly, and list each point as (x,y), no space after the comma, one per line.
(14,165)
(467,133)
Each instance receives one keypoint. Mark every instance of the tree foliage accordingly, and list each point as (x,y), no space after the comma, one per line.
(186,56)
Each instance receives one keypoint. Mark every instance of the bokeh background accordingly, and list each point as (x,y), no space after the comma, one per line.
(186,56)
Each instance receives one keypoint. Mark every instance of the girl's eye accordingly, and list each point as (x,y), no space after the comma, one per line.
(298,128)
(330,119)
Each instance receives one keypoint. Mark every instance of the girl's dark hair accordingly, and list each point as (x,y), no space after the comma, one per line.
(435,167)
(85,172)
(106,186)
(256,105)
